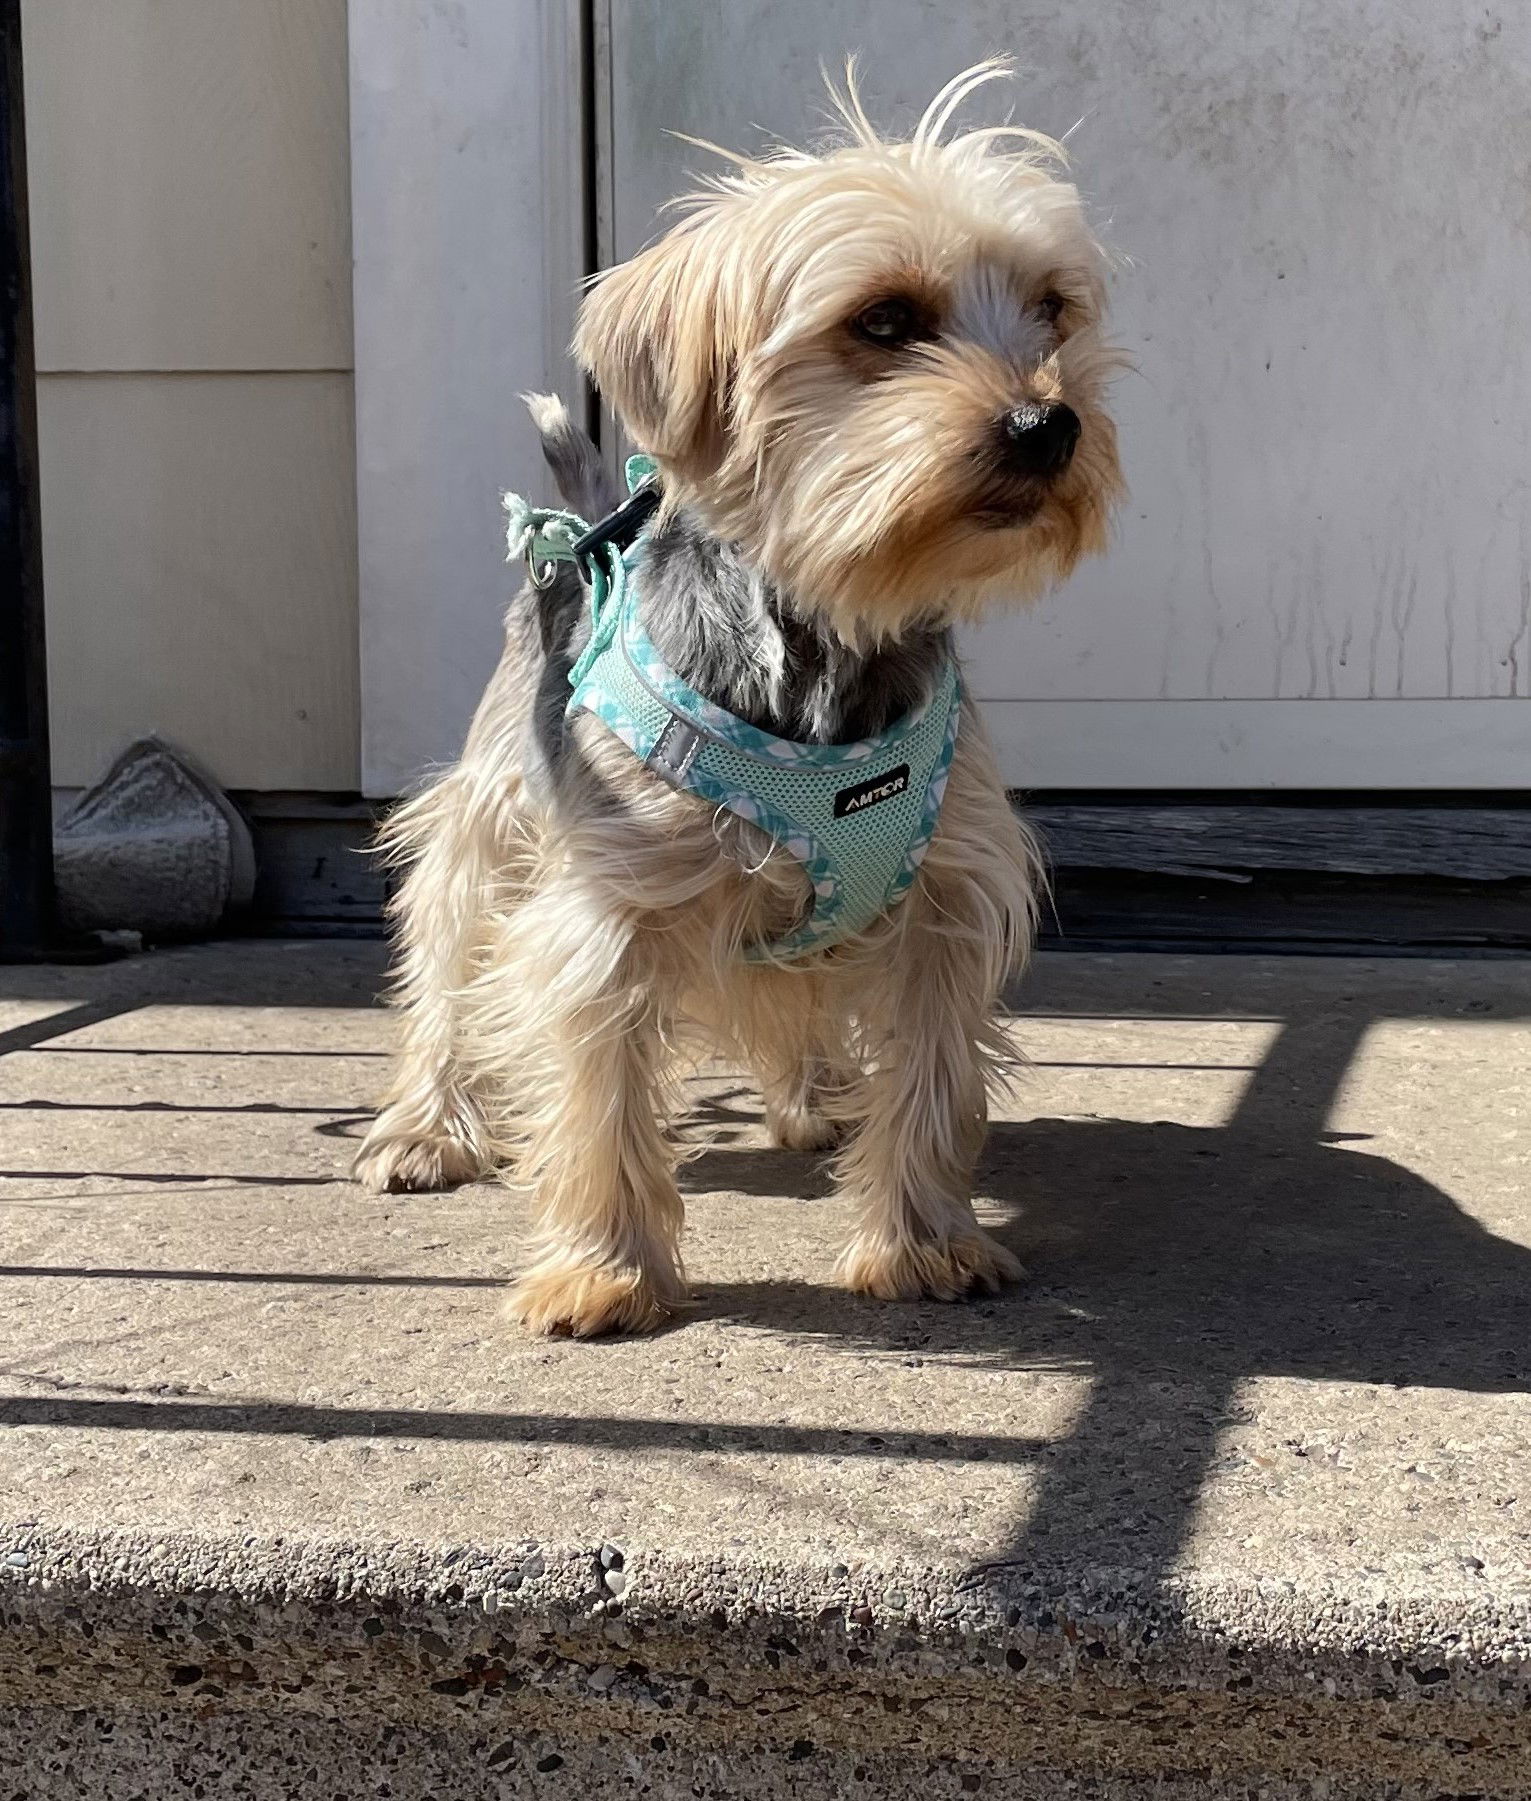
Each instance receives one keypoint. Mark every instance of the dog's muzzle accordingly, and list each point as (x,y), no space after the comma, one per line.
(1038,440)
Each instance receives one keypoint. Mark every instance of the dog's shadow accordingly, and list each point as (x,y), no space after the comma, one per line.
(1173,1263)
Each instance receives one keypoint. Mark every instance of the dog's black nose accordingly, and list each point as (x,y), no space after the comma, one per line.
(1039,440)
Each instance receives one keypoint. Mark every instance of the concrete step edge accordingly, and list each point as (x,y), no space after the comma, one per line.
(1022,1666)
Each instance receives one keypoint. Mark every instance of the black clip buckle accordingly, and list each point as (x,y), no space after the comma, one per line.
(620,526)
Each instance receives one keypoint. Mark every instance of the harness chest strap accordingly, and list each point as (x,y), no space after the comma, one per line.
(858,817)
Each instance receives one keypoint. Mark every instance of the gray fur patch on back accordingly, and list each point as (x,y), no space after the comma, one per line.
(562,628)
(737,639)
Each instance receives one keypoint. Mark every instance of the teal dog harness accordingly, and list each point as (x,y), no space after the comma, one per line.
(858,817)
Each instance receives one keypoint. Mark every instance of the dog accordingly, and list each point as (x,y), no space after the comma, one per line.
(872,379)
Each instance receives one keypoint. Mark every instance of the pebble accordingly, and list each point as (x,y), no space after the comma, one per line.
(601,1680)
(615,1581)
(533,1567)
(894,1597)
(18,1560)
(611,1557)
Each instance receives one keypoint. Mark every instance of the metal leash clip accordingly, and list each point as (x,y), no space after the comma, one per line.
(620,526)
(541,578)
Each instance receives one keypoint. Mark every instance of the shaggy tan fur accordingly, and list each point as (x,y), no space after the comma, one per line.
(724,350)
(557,959)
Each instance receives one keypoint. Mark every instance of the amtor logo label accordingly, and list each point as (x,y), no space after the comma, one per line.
(868,793)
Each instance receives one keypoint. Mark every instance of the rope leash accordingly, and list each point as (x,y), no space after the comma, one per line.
(548,536)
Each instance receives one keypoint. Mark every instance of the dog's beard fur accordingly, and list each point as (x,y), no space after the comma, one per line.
(864,481)
(569,922)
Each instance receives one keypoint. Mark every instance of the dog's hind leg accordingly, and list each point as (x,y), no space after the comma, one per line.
(806,1082)
(798,1105)
(429,1132)
(777,1023)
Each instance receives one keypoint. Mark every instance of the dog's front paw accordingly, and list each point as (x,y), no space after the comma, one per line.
(902,1269)
(388,1164)
(584,1300)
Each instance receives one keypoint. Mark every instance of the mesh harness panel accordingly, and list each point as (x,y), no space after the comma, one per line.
(858,817)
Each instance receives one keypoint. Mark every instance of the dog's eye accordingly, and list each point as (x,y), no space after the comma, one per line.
(1051,306)
(888,324)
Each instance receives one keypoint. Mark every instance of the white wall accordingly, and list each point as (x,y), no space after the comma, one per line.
(1324,574)
(1328,211)
(191,265)
(466,151)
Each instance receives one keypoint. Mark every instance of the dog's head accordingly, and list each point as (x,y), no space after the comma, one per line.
(880,370)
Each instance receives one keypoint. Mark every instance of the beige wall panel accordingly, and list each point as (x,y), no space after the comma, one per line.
(466,212)
(199,539)
(190,183)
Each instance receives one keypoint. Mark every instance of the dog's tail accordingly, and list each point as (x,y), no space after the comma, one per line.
(574,460)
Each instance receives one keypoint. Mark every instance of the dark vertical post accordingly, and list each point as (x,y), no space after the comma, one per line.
(26,823)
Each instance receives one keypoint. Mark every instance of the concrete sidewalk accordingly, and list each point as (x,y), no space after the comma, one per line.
(1233,1498)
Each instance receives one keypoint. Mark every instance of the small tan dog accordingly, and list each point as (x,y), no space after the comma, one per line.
(872,380)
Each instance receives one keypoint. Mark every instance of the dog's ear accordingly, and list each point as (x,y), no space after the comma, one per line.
(654,336)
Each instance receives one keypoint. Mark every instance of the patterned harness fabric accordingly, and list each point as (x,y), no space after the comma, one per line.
(858,817)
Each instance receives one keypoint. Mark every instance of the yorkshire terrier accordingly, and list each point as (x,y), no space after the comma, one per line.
(871,380)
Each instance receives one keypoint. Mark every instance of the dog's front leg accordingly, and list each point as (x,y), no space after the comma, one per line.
(592,1146)
(923,1104)
(934,1046)
(923,1111)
